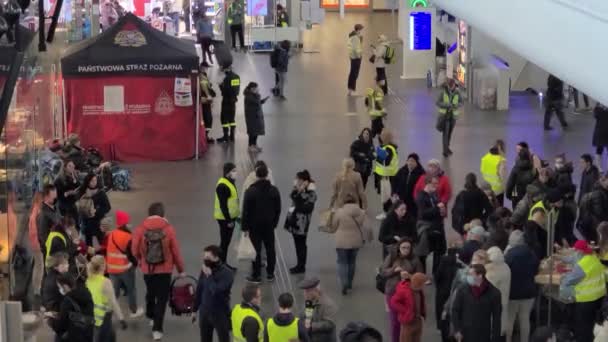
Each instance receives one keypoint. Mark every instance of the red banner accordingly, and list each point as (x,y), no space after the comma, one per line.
(149,127)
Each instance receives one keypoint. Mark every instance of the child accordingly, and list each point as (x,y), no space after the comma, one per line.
(408,303)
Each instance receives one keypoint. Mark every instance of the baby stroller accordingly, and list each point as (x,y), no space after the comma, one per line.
(182,295)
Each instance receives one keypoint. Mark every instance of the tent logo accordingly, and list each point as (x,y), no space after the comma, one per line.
(130,38)
(163,104)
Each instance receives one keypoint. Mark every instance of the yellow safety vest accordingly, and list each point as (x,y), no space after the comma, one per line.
(455,100)
(593,286)
(538,204)
(49,242)
(490,173)
(390,169)
(233,202)
(239,313)
(100,301)
(375,100)
(277,333)
(604,258)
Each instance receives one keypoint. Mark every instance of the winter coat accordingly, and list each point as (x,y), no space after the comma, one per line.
(536,238)
(470,204)
(171,251)
(468,249)
(429,228)
(410,265)
(563,177)
(444,189)
(555,89)
(213,292)
(354,45)
(102,207)
(349,221)
(47,218)
(524,264)
(598,205)
(286,319)
(403,303)
(444,277)
(254,115)
(379,52)
(261,208)
(405,181)
(499,275)
(352,185)
(521,175)
(323,326)
(67,204)
(600,132)
(498,237)
(355,332)
(51,297)
(282,60)
(588,180)
(63,325)
(363,155)
(477,319)
(393,226)
(300,214)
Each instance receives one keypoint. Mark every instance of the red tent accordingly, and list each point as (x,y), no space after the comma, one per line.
(131,93)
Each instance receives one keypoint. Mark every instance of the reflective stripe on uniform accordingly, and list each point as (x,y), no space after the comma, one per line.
(49,242)
(454,102)
(278,333)
(95,284)
(593,286)
(489,171)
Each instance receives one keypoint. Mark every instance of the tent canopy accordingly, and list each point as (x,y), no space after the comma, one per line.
(130,47)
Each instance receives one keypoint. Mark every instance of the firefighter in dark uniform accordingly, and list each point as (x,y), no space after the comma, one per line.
(230,88)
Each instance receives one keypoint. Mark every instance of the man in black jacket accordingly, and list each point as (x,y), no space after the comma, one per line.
(230,88)
(51,297)
(405,182)
(213,296)
(431,213)
(261,212)
(589,176)
(596,210)
(554,102)
(49,215)
(75,321)
(477,309)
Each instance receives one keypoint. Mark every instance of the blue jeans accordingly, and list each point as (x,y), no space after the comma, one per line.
(126,280)
(347,259)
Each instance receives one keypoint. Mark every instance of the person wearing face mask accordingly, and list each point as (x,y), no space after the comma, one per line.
(48,215)
(74,322)
(51,298)
(212,299)
(226,211)
(362,152)
(398,224)
(408,302)
(254,115)
(476,311)
(586,283)
(91,220)
(406,179)
(247,324)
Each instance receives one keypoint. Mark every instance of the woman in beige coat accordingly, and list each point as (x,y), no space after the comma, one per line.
(349,236)
(348,182)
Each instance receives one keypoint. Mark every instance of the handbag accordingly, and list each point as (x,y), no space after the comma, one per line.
(367,235)
(380,281)
(326,224)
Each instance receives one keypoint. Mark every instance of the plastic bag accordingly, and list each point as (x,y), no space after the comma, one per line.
(245,250)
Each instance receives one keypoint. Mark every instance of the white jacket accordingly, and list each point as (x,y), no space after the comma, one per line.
(355,49)
(499,275)
(601,332)
(379,52)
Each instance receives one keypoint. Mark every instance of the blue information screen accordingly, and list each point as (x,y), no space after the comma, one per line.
(420,31)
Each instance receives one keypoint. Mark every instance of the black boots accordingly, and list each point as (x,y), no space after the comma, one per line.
(225,138)
(232,131)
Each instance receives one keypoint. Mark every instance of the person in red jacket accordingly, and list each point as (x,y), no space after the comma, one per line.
(444,189)
(156,249)
(408,303)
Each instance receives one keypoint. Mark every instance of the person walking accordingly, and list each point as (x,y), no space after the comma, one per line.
(303,198)
(226,208)
(236,18)
(349,236)
(91,219)
(247,324)
(399,223)
(121,263)
(409,304)
(76,306)
(355,50)
(576,100)
(157,251)
(471,203)
(347,183)
(379,53)
(285,326)
(554,102)
(206,98)
(281,67)
(600,133)
(212,301)
(406,180)
(48,216)
(476,311)
(374,102)
(499,275)
(254,115)
(589,176)
(448,102)
(430,230)
(362,152)
(104,300)
(395,264)
(261,213)
(230,88)
(67,185)
(204,36)
(524,264)
(320,312)
(493,170)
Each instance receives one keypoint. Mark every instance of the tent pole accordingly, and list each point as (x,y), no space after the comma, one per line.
(198,116)
(64,114)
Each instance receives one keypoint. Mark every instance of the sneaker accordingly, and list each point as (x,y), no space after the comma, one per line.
(297,270)
(137,314)
(381,216)
(157,335)
(258,148)
(270,278)
(254,280)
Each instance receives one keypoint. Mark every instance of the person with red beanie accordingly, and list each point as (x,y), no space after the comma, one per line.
(156,249)
(120,262)
(408,303)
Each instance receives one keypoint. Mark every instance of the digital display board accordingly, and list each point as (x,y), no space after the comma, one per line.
(420,31)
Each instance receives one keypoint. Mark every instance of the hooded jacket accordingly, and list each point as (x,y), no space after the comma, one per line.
(171,251)
(285,319)
(213,292)
(261,207)
(354,45)
(524,264)
(51,297)
(405,182)
(254,115)
(521,175)
(403,303)
(63,325)
(499,275)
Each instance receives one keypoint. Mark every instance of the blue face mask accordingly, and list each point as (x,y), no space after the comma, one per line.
(471,280)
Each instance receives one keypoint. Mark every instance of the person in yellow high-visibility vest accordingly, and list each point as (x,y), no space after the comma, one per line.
(374,101)
(493,170)
(386,166)
(247,324)
(588,284)
(226,210)
(448,102)
(285,326)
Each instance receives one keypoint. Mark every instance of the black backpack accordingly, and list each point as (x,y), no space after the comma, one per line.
(274,58)
(155,254)
(78,320)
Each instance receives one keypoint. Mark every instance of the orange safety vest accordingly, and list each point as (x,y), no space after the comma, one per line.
(116,260)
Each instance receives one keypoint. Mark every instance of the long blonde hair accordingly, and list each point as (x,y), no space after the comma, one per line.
(348,165)
(97,265)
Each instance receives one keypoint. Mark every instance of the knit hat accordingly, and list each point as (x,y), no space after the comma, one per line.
(122,218)
(228,167)
(417,281)
(479,231)
(583,247)
(553,196)
(414,156)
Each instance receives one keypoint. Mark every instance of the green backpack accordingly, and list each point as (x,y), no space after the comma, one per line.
(389,55)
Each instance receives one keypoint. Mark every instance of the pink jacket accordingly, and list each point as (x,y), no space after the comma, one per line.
(171,252)
(444,189)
